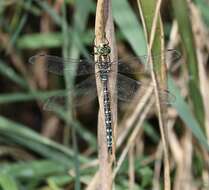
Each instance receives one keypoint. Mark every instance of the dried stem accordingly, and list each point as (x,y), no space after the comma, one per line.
(159,80)
(132,137)
(161,118)
(104,30)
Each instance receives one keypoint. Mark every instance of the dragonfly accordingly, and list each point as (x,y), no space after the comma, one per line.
(87,90)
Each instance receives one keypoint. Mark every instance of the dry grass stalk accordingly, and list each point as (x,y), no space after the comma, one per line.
(131,167)
(132,137)
(157,167)
(110,34)
(183,178)
(133,115)
(159,80)
(104,30)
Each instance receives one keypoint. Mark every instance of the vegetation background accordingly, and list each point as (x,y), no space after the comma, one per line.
(40,150)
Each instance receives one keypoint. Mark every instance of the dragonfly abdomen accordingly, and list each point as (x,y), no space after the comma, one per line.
(107,114)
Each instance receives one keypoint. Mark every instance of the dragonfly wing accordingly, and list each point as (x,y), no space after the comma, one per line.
(57,65)
(135,65)
(83,93)
(54,102)
(127,88)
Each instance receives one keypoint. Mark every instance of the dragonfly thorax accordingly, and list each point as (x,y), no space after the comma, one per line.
(104,67)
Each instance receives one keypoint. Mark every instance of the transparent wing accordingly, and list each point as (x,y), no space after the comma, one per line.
(127,88)
(83,93)
(57,65)
(134,65)
(131,65)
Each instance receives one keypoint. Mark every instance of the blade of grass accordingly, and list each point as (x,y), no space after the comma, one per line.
(33,95)
(59,21)
(56,181)
(34,141)
(184,112)
(129,26)
(57,18)
(29,143)
(158,72)
(204,7)
(60,112)
(12,75)
(151,132)
(80,21)
(189,122)
(49,40)
(37,40)
(46,7)
(84,133)
(7,182)
(33,169)
(32,9)
(22,22)
(69,80)
(185,29)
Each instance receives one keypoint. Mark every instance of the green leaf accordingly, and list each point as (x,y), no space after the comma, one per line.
(147,175)
(21,135)
(7,182)
(191,122)
(56,181)
(49,40)
(148,10)
(59,111)
(33,169)
(185,29)
(46,7)
(43,40)
(12,75)
(61,21)
(80,20)
(184,112)
(203,6)
(22,22)
(150,131)
(19,97)
(129,26)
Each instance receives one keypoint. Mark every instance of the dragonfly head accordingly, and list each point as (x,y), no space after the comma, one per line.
(102,49)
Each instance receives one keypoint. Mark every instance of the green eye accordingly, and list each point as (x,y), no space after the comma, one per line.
(106,50)
(103,49)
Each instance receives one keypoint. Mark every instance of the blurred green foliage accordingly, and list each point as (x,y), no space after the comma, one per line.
(29,26)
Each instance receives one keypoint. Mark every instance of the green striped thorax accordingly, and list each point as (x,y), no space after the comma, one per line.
(102,49)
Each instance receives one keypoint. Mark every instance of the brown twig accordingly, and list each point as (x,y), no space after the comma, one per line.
(104,30)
